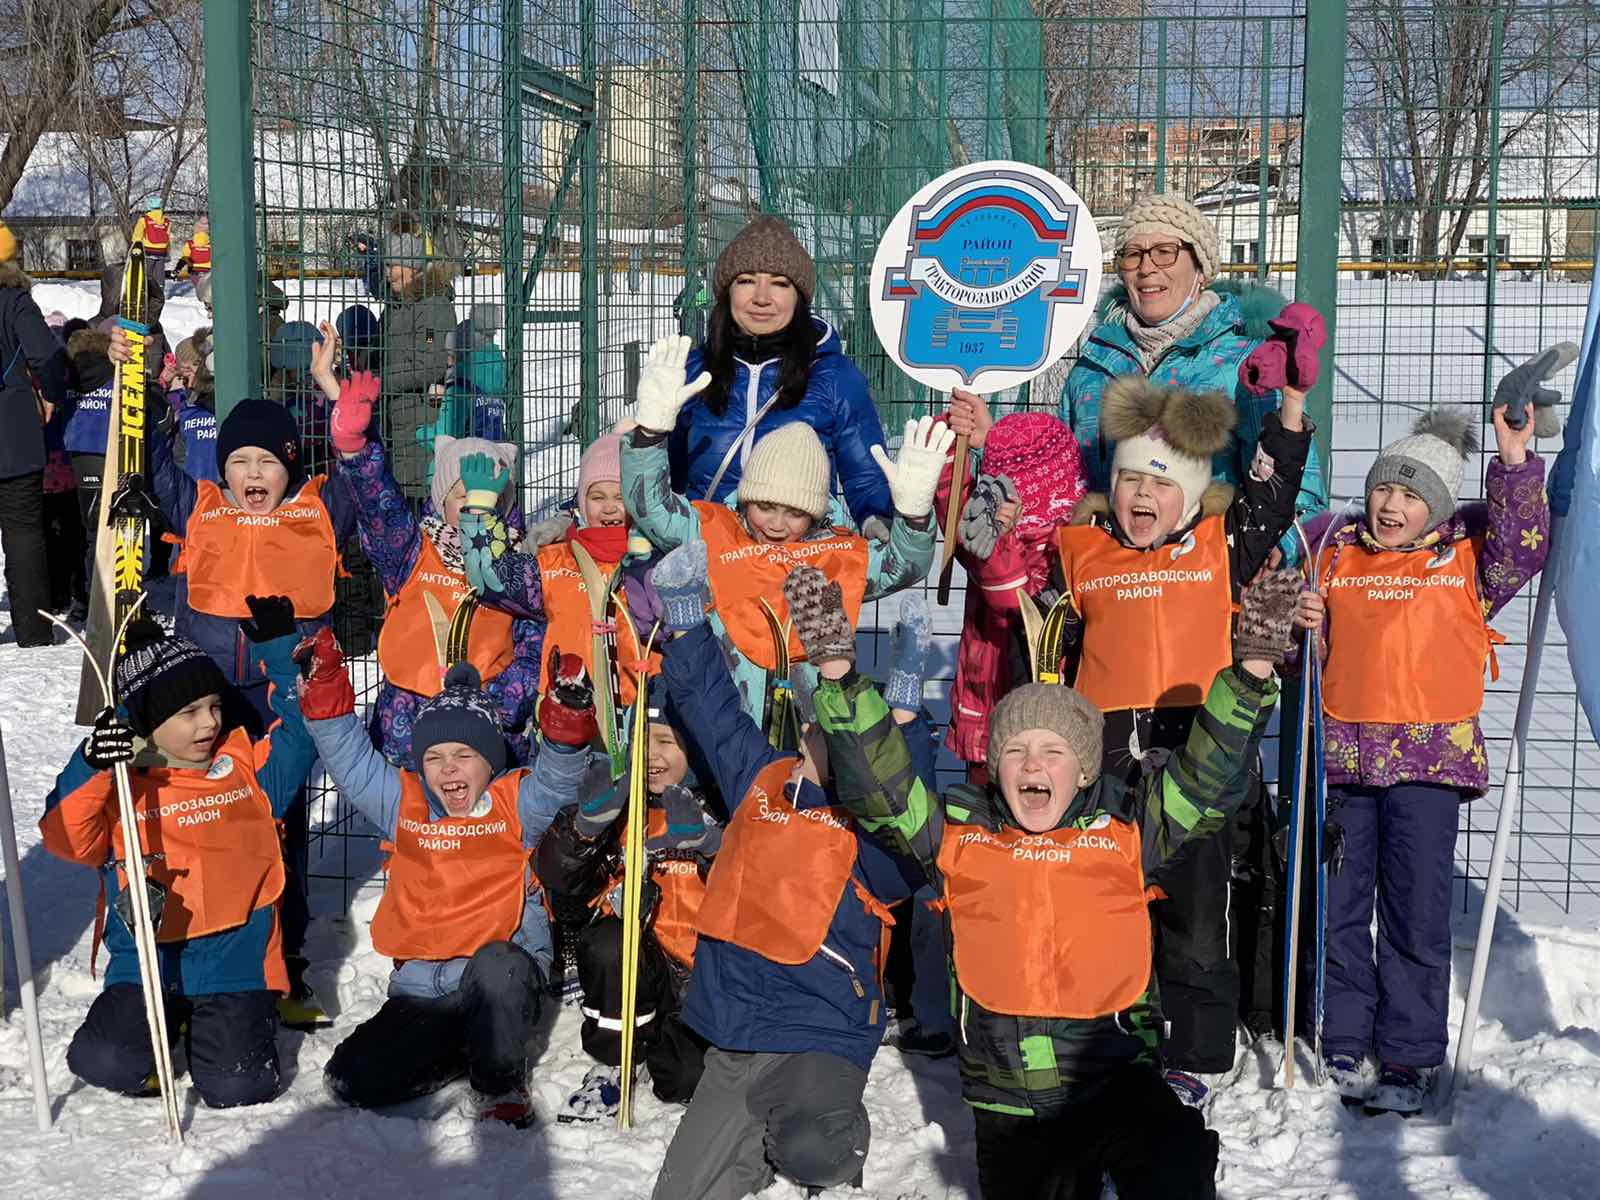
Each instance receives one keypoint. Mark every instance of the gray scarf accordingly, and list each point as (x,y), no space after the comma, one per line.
(1152,341)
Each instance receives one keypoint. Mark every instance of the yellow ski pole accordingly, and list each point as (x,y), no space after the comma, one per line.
(633,862)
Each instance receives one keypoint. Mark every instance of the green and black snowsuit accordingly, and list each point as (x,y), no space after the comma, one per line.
(1029,1066)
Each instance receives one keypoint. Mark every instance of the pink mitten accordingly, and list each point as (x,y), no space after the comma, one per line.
(353,413)
(1265,368)
(1300,328)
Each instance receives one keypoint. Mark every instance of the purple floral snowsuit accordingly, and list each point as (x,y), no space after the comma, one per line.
(391,537)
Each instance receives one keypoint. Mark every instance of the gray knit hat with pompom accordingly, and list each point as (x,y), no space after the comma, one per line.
(1430,462)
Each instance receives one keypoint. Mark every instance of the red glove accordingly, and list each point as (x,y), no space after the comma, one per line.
(353,413)
(169,368)
(326,690)
(566,711)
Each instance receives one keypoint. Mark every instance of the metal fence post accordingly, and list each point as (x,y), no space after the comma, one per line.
(589,232)
(515,298)
(230,183)
(1316,278)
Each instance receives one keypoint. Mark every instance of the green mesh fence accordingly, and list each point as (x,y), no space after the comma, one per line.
(574,167)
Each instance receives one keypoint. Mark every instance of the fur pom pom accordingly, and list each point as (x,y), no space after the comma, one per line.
(1452,427)
(1129,405)
(1199,423)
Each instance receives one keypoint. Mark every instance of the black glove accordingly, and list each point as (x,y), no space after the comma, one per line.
(270,617)
(131,500)
(155,896)
(110,741)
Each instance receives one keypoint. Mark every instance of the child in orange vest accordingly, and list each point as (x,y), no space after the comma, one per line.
(543,584)
(579,863)
(416,559)
(787,980)
(1403,597)
(782,500)
(1151,576)
(1043,879)
(209,798)
(462,917)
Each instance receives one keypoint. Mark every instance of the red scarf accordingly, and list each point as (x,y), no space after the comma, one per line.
(605,543)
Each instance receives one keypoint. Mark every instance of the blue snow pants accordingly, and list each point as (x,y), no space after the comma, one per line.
(1398,852)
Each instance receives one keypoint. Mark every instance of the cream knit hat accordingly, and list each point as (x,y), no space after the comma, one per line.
(1170,213)
(788,466)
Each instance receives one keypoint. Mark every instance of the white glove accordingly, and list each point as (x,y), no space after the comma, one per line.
(662,391)
(914,476)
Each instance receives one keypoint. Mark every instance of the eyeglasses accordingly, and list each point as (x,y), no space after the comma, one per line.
(1162,255)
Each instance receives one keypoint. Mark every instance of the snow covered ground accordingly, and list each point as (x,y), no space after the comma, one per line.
(1530,1125)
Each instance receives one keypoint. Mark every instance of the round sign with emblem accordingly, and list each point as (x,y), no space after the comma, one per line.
(986,277)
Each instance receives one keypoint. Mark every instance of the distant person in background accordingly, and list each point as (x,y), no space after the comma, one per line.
(358,333)
(289,383)
(418,315)
(33,384)
(194,260)
(192,398)
(64,537)
(90,378)
(473,402)
(771,362)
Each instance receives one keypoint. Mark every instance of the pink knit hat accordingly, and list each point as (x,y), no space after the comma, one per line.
(602,460)
(1038,453)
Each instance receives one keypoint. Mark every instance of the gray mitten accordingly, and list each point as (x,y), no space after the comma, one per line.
(681,580)
(980,522)
(1524,385)
(1266,616)
(816,606)
(687,825)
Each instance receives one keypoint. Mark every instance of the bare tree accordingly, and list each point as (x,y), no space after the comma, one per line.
(1428,81)
(48,49)
(1090,62)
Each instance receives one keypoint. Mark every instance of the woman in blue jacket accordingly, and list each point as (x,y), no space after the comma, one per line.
(772,362)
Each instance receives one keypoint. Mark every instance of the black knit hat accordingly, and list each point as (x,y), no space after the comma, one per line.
(463,713)
(158,675)
(264,424)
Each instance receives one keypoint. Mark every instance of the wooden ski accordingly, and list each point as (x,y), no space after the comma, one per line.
(1032,629)
(603,662)
(461,629)
(439,625)
(1052,643)
(783,721)
(118,577)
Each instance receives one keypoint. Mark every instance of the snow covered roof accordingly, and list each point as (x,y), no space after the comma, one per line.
(57,181)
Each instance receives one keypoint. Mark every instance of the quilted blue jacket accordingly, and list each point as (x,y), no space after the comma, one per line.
(837,404)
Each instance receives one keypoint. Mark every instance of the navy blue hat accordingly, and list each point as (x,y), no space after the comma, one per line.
(265,424)
(291,347)
(358,327)
(463,713)
(158,675)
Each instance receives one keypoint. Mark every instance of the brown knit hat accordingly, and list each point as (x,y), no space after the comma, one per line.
(766,244)
(1048,706)
(1169,213)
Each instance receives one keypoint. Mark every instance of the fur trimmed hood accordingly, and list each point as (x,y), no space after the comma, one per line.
(13,276)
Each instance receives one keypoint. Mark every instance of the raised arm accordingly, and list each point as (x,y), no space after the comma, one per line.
(658,512)
(284,756)
(1517,540)
(328,703)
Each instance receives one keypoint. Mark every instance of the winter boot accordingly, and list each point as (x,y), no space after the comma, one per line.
(598,1099)
(1192,1089)
(913,1039)
(299,1008)
(1353,1077)
(515,1107)
(1401,1089)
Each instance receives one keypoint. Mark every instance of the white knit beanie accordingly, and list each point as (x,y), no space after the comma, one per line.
(1169,213)
(788,466)
(447,455)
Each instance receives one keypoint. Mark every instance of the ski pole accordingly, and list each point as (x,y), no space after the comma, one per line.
(1510,802)
(1297,830)
(23,950)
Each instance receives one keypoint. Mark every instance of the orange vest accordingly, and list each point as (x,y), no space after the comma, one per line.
(1407,640)
(406,649)
(778,877)
(229,554)
(1048,924)
(744,572)
(456,883)
(220,858)
(1157,624)
(682,893)
(569,626)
